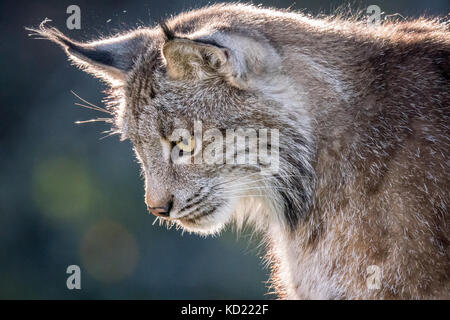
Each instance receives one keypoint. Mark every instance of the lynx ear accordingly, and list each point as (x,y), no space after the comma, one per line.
(109,59)
(238,59)
(191,59)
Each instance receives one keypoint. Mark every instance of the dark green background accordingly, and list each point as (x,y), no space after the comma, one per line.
(67,197)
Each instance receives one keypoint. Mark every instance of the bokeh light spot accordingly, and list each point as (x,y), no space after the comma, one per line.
(63,188)
(109,252)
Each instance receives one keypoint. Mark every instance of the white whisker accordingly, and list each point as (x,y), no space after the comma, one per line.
(258,188)
(89,103)
(260,180)
(92,108)
(107,120)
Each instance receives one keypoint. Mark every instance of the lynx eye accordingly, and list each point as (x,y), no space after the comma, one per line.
(186,145)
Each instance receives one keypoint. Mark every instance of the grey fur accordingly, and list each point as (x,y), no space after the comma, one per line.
(364,147)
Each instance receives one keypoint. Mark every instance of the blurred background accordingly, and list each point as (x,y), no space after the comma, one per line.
(69,197)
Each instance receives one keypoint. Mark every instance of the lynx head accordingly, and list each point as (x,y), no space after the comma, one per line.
(185,98)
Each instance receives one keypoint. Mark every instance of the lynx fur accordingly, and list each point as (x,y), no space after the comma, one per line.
(363,113)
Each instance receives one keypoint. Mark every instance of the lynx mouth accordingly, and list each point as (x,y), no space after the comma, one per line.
(210,220)
(194,219)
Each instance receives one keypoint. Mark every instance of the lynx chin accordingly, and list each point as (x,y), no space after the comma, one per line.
(363,120)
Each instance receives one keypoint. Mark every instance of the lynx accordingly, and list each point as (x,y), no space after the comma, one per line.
(363,118)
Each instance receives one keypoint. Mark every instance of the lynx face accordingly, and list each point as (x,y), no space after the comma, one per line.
(168,135)
(205,99)
(219,100)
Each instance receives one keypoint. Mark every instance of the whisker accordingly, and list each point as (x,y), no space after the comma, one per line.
(110,134)
(36,37)
(250,196)
(229,181)
(92,108)
(107,120)
(263,179)
(258,188)
(84,100)
(89,103)
(243,189)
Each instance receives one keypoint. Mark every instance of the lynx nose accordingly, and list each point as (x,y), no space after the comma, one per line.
(160,210)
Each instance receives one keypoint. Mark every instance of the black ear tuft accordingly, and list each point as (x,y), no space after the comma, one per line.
(50,33)
(169,34)
(92,53)
(110,59)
